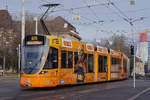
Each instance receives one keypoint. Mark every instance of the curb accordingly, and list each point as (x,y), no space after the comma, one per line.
(9,78)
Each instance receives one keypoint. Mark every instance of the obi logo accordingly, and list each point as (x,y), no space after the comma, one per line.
(99,78)
(62,81)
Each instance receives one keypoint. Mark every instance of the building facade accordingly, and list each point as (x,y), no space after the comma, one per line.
(62,28)
(5,19)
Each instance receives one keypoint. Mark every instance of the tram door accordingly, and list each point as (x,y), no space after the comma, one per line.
(52,66)
(66,68)
(102,67)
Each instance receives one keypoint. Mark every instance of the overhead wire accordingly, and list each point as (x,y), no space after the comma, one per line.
(119,10)
(92,5)
(97,17)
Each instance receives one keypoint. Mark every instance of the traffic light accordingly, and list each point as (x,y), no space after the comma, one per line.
(132,49)
(16,51)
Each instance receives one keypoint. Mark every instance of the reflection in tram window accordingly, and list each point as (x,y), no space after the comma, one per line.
(52,59)
(115,61)
(90,63)
(102,62)
(70,59)
(76,57)
(105,64)
(63,59)
(125,65)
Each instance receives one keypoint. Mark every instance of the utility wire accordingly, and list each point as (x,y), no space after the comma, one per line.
(81,7)
(92,10)
(115,13)
(121,12)
(126,18)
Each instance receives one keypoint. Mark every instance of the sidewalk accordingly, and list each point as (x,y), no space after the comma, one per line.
(5,77)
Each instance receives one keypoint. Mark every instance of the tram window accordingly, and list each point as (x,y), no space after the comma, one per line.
(52,59)
(105,63)
(63,59)
(100,63)
(125,65)
(90,63)
(70,59)
(115,61)
(76,57)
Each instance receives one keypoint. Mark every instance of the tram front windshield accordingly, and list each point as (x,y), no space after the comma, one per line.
(33,58)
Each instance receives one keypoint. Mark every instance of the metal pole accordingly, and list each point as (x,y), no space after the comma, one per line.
(133,56)
(23,27)
(36,25)
(19,60)
(4,65)
(134,69)
(23,23)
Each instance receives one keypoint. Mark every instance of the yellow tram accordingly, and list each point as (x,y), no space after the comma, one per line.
(48,61)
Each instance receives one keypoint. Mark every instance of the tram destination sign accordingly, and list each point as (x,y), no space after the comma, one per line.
(34,40)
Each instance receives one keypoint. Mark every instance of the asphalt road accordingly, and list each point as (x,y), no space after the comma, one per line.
(118,90)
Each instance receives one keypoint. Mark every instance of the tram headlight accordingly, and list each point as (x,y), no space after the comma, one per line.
(43,72)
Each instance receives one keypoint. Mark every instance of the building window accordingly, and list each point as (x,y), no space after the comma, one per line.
(52,59)
(90,63)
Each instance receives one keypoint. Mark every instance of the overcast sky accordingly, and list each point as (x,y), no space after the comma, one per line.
(95,22)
